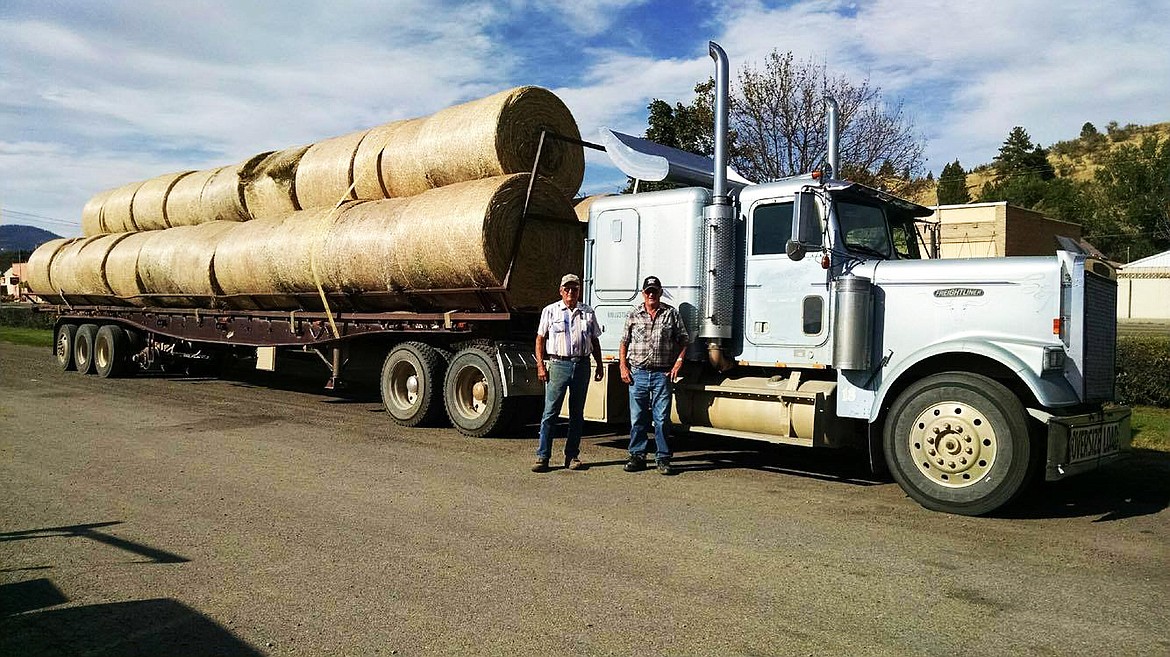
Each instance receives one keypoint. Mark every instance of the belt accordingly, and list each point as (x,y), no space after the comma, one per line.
(652,369)
(571,359)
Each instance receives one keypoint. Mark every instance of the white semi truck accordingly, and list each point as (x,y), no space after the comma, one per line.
(817,320)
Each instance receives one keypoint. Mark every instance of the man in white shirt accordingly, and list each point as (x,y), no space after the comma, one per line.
(566,336)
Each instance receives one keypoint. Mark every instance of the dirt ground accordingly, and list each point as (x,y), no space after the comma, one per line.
(260,515)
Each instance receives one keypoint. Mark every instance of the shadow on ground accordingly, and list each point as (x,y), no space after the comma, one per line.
(124,629)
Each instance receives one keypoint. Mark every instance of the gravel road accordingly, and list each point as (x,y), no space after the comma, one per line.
(259,515)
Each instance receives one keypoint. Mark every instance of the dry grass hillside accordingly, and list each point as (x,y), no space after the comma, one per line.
(1076,158)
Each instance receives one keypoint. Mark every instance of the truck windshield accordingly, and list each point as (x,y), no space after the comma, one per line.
(864,229)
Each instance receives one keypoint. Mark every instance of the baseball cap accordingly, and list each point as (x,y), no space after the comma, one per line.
(570,278)
(651,283)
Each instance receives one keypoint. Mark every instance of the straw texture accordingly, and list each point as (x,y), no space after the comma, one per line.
(91,214)
(116,214)
(121,268)
(149,206)
(40,264)
(325,172)
(268,183)
(178,262)
(491,136)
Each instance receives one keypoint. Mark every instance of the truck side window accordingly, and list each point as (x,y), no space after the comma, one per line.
(864,228)
(813,311)
(771,228)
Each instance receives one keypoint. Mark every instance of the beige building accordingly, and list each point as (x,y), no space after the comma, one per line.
(1143,288)
(10,287)
(992,230)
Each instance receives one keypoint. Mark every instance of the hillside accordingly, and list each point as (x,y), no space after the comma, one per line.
(14,237)
(1077,158)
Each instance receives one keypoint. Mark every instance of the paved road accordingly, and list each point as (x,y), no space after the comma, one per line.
(197,517)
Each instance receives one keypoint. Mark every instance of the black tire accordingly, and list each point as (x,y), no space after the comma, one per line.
(111,352)
(83,347)
(63,346)
(958,442)
(412,384)
(473,394)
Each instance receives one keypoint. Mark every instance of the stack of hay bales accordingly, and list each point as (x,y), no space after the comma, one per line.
(428,208)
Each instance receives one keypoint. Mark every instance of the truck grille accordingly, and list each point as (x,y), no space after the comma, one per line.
(1100,337)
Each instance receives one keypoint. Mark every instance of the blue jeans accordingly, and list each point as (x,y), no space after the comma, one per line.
(564,375)
(649,400)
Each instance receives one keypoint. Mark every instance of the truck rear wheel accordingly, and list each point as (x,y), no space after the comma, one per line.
(63,346)
(83,347)
(111,351)
(473,393)
(412,384)
(958,442)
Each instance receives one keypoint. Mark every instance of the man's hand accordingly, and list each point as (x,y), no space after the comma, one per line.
(674,370)
(626,374)
(541,372)
(599,372)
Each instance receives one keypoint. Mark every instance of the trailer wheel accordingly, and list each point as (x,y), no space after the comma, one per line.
(63,346)
(473,394)
(83,347)
(412,384)
(958,442)
(111,351)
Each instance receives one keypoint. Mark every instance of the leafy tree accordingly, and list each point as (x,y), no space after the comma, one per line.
(1088,131)
(1132,200)
(952,185)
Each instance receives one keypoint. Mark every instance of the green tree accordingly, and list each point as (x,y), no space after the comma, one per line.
(952,185)
(1131,213)
(1021,172)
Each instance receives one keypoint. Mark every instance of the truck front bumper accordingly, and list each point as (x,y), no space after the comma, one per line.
(1079,443)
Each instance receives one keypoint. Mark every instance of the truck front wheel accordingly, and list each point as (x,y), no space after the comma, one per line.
(412,384)
(473,393)
(958,442)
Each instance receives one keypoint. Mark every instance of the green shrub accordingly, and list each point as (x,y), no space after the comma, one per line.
(1143,370)
(22,316)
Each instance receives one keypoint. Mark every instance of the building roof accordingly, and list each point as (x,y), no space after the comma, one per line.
(1156,261)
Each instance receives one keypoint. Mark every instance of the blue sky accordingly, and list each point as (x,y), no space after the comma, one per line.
(97,93)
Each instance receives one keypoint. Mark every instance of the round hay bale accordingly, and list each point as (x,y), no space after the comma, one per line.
(325,172)
(269,183)
(91,214)
(450,238)
(263,258)
(40,263)
(69,274)
(149,206)
(86,267)
(184,206)
(490,136)
(367,178)
(117,216)
(222,197)
(121,268)
(175,265)
(549,249)
(582,206)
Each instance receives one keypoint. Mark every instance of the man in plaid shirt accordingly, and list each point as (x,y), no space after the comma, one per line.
(654,341)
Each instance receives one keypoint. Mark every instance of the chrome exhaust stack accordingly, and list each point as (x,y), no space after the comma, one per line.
(834,138)
(719,221)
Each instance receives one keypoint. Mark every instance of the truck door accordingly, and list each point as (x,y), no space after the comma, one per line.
(785,301)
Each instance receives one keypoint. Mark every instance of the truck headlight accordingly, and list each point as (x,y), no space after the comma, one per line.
(1054,358)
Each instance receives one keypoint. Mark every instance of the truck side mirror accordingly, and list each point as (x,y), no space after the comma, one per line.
(806,225)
